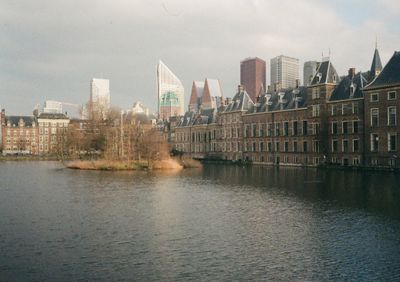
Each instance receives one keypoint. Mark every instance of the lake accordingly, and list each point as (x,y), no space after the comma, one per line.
(220,222)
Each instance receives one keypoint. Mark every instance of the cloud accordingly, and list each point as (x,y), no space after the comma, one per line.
(54,51)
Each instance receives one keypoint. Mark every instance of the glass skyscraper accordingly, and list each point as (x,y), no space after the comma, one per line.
(170,93)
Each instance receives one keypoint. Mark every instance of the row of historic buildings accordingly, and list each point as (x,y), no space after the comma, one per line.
(348,120)
(37,134)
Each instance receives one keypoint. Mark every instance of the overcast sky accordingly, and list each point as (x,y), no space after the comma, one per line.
(49,50)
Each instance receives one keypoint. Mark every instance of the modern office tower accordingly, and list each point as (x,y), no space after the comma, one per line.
(284,72)
(99,98)
(52,107)
(253,76)
(309,70)
(170,93)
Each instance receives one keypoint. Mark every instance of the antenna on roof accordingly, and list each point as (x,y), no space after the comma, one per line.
(376,41)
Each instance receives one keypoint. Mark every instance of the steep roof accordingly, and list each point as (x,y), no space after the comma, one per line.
(326,73)
(285,99)
(390,75)
(205,116)
(350,87)
(376,65)
(240,102)
(14,120)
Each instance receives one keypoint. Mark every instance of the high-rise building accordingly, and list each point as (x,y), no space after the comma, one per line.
(170,93)
(284,72)
(52,107)
(205,95)
(99,97)
(253,76)
(309,70)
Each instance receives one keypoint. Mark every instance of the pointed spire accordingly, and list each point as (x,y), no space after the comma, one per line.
(376,66)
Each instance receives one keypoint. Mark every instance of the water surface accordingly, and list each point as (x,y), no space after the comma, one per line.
(215,223)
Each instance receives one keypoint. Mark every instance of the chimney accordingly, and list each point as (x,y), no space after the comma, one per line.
(352,72)
(240,88)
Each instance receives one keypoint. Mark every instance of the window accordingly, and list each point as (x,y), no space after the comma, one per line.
(269,147)
(315,93)
(374,97)
(305,127)
(334,146)
(316,146)
(286,146)
(356,161)
(334,128)
(253,130)
(392,117)
(316,129)
(295,146)
(374,117)
(355,126)
(286,128)
(246,130)
(261,146)
(305,146)
(345,146)
(374,142)
(345,127)
(295,128)
(269,129)
(260,130)
(277,131)
(356,145)
(315,110)
(276,146)
(355,108)
(392,142)
(391,95)
(333,110)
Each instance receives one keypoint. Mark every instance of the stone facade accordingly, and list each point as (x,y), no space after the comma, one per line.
(52,133)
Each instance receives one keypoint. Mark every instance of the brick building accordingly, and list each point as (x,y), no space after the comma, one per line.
(19,134)
(381,102)
(349,121)
(253,76)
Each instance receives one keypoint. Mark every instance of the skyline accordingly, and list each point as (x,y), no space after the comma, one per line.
(54,52)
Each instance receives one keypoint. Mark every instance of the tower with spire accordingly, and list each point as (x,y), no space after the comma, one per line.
(376,65)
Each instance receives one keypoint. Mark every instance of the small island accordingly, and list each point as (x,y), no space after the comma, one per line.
(118,165)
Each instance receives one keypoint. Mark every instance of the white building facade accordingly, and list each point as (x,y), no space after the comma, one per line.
(52,107)
(171,93)
(284,72)
(100,100)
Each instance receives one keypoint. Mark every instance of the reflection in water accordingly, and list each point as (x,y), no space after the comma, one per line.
(214,223)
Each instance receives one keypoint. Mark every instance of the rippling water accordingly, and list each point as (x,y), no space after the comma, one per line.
(217,223)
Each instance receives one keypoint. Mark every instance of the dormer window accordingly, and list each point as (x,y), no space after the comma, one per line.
(352,89)
(334,78)
(319,76)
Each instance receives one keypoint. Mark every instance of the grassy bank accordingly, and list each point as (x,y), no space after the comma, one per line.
(132,165)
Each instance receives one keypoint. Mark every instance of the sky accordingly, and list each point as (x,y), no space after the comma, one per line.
(51,49)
